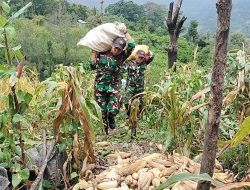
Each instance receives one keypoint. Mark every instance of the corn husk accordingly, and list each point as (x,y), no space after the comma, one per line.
(223,177)
(123,155)
(156,172)
(113,175)
(124,186)
(168,171)
(135,176)
(166,163)
(191,184)
(151,188)
(107,185)
(151,156)
(90,188)
(83,184)
(156,165)
(149,172)
(132,168)
(144,180)
(142,170)
(129,180)
(181,186)
(156,182)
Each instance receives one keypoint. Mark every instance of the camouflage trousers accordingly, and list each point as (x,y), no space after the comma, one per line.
(129,97)
(108,101)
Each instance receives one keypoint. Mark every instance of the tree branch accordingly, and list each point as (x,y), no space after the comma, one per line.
(170,11)
(177,11)
(42,169)
(179,26)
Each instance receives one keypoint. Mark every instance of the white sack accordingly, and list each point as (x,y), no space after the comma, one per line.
(100,38)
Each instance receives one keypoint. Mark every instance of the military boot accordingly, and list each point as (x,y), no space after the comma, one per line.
(111,122)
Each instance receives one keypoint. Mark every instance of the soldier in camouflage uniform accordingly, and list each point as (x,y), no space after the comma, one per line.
(135,80)
(108,67)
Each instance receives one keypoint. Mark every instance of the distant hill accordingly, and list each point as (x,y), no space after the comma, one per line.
(204,11)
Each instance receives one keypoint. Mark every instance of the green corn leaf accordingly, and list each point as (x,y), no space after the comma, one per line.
(243,132)
(18,13)
(3,21)
(187,176)
(3,69)
(11,32)
(5,7)
(6,72)
(18,54)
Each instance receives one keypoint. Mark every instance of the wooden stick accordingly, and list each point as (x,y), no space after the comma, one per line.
(43,155)
(42,169)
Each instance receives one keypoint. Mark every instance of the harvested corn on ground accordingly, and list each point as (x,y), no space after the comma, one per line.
(126,171)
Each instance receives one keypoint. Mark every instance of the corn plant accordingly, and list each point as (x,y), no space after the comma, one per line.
(16,100)
(61,105)
(235,120)
(174,103)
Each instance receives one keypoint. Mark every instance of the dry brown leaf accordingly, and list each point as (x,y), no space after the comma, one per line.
(102,144)
(233,185)
(160,147)
(88,144)
(223,177)
(76,149)
(230,98)
(62,112)
(181,186)
(200,94)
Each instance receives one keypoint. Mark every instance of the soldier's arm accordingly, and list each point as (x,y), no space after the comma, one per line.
(93,60)
(130,45)
(149,57)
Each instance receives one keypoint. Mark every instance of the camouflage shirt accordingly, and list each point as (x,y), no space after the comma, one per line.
(136,75)
(109,68)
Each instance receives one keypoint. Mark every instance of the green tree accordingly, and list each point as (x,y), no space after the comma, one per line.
(155,15)
(192,33)
(79,10)
(127,9)
(237,40)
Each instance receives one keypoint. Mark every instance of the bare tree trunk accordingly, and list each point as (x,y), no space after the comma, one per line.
(174,29)
(102,12)
(217,86)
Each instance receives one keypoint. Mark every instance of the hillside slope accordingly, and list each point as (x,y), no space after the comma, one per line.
(203,11)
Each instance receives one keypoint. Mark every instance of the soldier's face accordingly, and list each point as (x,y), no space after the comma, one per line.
(139,59)
(115,50)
